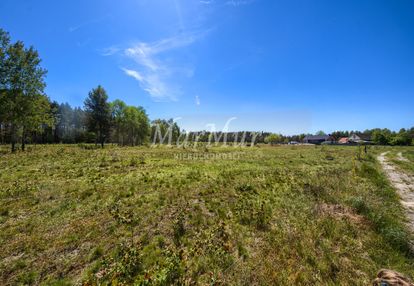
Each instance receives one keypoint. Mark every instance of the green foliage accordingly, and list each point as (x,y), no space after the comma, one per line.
(164,131)
(98,113)
(245,188)
(87,146)
(119,268)
(359,205)
(23,105)
(387,223)
(27,278)
(273,139)
(136,124)
(58,282)
(320,133)
(70,125)
(167,272)
(386,137)
(179,227)
(263,216)
(124,215)
(401,138)
(381,137)
(131,123)
(406,163)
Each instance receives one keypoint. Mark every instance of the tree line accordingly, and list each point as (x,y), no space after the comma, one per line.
(27,115)
(403,137)
(382,136)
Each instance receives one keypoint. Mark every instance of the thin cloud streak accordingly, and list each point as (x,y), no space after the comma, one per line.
(81,25)
(109,51)
(156,76)
(236,3)
(145,53)
(179,14)
(153,85)
(206,2)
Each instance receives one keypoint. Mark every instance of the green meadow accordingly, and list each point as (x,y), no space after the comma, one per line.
(282,215)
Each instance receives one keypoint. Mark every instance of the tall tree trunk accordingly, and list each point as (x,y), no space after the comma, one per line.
(13,138)
(102,138)
(23,139)
(55,135)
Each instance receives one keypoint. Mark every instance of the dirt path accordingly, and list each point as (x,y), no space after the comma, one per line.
(404,185)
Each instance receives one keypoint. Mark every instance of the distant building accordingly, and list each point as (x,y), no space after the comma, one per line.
(343,140)
(316,139)
(359,138)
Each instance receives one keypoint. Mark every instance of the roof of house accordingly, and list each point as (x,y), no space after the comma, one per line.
(343,140)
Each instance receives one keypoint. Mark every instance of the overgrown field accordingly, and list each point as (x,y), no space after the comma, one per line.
(406,161)
(299,215)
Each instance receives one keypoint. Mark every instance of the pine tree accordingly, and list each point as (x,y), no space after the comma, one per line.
(98,114)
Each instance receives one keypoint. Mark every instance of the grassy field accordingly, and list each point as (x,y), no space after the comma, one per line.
(406,163)
(283,215)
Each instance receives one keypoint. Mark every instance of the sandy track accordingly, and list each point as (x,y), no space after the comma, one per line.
(404,184)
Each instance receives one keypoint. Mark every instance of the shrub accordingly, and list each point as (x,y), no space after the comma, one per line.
(359,205)
(263,216)
(244,188)
(179,227)
(122,267)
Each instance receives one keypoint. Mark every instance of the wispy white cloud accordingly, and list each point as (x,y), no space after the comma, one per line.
(239,2)
(143,49)
(197,100)
(234,3)
(145,54)
(224,3)
(157,76)
(206,2)
(109,51)
(86,23)
(74,28)
(84,42)
(153,85)
(179,14)
(133,74)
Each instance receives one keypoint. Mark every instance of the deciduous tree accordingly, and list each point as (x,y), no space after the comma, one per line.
(273,139)
(23,104)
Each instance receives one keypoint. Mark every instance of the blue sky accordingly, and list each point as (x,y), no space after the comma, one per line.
(283,66)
